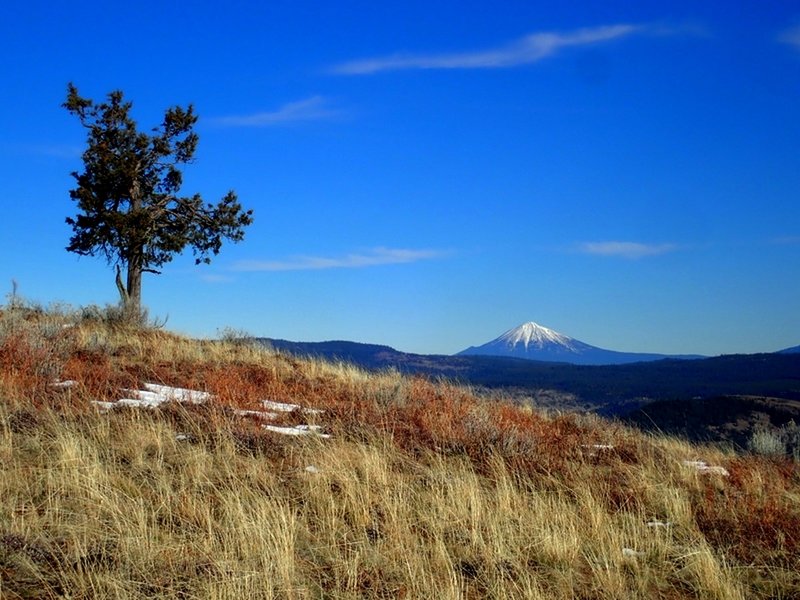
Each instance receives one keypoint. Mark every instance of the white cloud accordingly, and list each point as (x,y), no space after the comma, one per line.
(625,249)
(54,150)
(530,49)
(372,258)
(315,108)
(787,240)
(791,36)
(215,278)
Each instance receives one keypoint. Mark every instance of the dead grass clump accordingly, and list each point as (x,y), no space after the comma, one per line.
(32,353)
(756,515)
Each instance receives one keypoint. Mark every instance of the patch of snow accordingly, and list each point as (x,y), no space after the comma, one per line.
(155,395)
(63,385)
(598,446)
(182,437)
(177,394)
(659,524)
(631,553)
(103,406)
(256,413)
(138,402)
(312,469)
(702,467)
(143,399)
(284,407)
(297,430)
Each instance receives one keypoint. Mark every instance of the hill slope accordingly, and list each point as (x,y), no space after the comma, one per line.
(611,389)
(419,490)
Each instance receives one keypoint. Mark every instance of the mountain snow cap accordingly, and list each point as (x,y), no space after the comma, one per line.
(533,334)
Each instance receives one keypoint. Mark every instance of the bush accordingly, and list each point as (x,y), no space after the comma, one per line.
(783,441)
(790,434)
(115,315)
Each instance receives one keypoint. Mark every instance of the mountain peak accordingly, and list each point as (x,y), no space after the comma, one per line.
(533,334)
(536,342)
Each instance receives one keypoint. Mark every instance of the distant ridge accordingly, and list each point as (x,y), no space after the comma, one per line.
(536,342)
(607,389)
(792,350)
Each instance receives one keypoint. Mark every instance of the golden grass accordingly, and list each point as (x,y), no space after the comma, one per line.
(423,490)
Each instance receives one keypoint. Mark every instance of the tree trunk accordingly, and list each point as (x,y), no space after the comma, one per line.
(123,291)
(132,303)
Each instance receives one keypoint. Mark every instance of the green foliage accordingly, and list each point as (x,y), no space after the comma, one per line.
(129,208)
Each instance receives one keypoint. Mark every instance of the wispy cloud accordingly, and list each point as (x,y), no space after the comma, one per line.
(625,249)
(530,49)
(53,150)
(787,240)
(216,278)
(371,258)
(316,108)
(791,36)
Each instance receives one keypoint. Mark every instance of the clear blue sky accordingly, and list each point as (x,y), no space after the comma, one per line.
(429,174)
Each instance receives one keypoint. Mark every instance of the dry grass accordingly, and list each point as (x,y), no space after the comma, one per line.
(423,490)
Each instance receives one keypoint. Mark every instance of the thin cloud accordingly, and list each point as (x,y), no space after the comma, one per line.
(787,240)
(215,278)
(315,108)
(530,49)
(791,36)
(630,250)
(372,258)
(53,150)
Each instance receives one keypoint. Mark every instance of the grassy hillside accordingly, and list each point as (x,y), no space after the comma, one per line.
(422,490)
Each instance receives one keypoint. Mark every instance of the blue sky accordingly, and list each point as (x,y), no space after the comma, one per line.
(428,175)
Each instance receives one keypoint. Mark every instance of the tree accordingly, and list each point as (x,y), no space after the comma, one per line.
(127,195)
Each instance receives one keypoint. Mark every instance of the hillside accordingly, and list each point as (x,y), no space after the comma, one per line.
(397,487)
(607,389)
(733,419)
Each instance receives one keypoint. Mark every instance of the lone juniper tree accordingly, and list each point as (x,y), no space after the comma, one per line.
(127,195)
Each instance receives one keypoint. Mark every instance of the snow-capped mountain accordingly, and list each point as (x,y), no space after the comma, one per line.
(532,335)
(535,342)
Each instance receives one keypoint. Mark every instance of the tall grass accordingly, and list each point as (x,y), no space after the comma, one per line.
(423,490)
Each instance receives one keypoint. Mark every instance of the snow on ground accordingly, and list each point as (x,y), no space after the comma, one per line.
(256,413)
(659,524)
(154,395)
(297,430)
(597,448)
(63,385)
(702,467)
(283,407)
(168,393)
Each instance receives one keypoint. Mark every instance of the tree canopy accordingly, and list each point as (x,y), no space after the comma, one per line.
(129,208)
